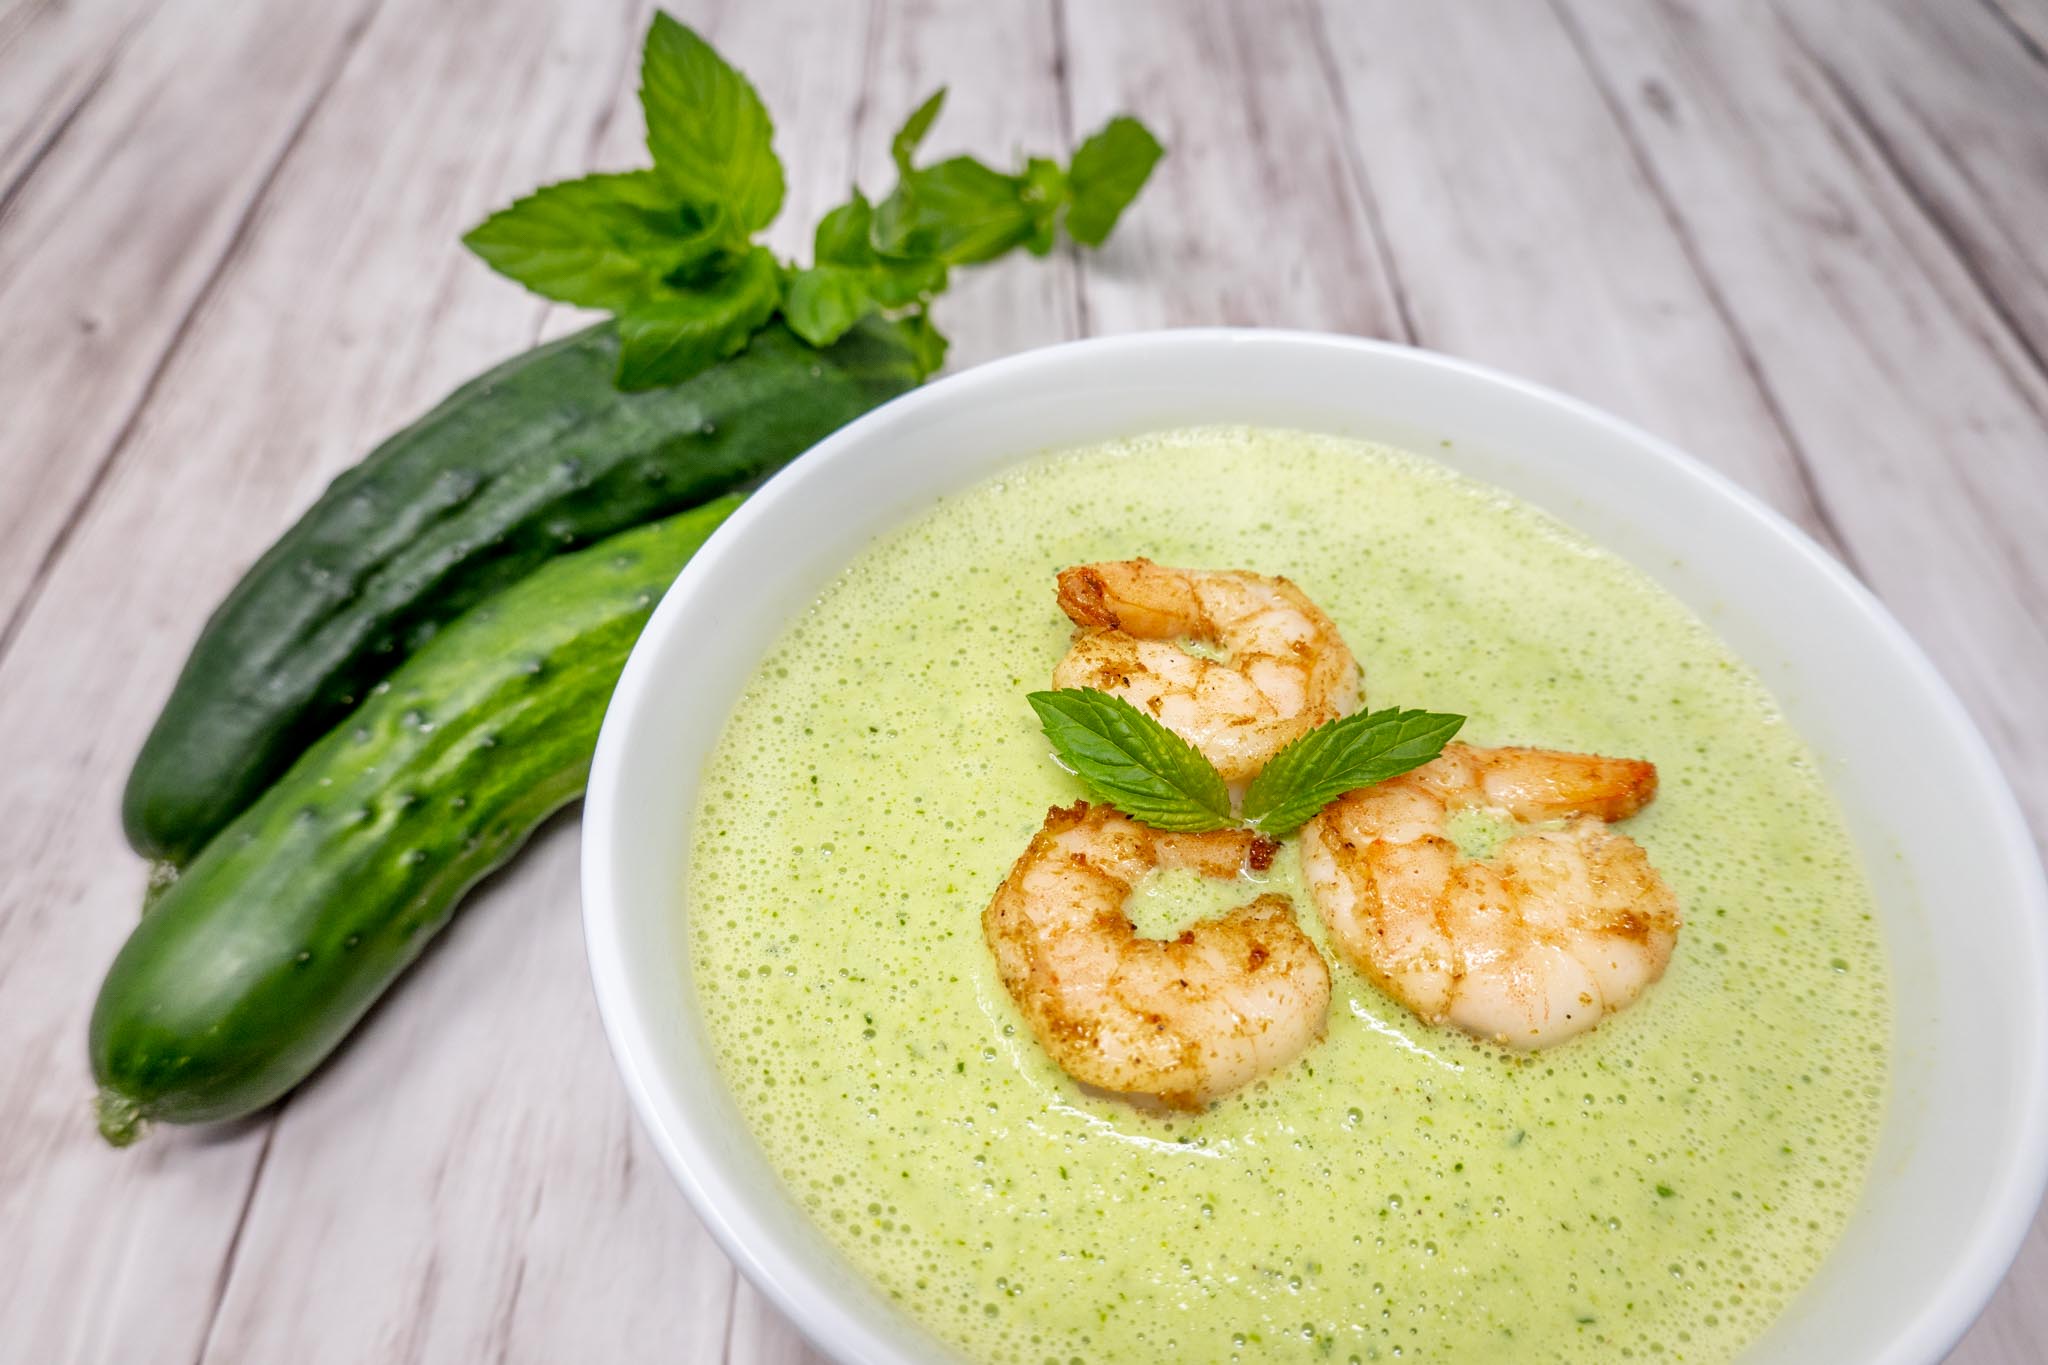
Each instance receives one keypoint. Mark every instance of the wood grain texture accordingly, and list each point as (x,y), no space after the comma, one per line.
(1255,215)
(1892,369)
(55,58)
(1958,112)
(1798,236)
(1499,260)
(115,235)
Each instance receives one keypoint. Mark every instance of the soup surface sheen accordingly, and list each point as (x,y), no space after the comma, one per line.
(1655,1189)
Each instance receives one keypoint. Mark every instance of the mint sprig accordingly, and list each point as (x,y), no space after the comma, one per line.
(1342,756)
(1128,759)
(670,250)
(1131,761)
(707,130)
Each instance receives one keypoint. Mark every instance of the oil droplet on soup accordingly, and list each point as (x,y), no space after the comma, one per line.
(1659,1187)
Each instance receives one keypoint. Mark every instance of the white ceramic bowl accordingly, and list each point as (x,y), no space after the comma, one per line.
(1960,1165)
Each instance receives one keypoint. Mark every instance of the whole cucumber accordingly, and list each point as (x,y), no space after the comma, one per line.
(260,957)
(536,456)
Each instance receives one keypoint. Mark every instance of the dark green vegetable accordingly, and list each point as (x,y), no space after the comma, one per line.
(253,965)
(534,457)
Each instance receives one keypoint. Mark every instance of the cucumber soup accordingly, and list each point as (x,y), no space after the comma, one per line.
(1653,1190)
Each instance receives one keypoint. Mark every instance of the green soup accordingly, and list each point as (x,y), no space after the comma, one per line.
(1657,1188)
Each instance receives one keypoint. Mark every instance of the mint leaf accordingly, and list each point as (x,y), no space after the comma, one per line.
(1342,756)
(842,235)
(712,142)
(958,211)
(904,145)
(850,278)
(927,343)
(666,338)
(1131,761)
(899,282)
(1107,173)
(600,242)
(825,301)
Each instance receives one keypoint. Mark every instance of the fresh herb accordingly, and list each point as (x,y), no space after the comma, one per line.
(958,212)
(670,250)
(1106,175)
(1131,761)
(1342,756)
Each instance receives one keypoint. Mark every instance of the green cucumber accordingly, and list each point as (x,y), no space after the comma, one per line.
(536,456)
(248,969)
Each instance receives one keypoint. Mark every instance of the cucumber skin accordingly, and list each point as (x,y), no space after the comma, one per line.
(516,466)
(257,961)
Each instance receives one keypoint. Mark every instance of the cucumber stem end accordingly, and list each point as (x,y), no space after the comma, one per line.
(163,874)
(120,1119)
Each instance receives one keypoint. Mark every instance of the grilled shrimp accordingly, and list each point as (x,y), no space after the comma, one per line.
(1560,927)
(1284,669)
(1183,1020)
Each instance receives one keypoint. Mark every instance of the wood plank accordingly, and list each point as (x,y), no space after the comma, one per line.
(470,1168)
(114,241)
(1256,216)
(54,59)
(2027,21)
(1460,118)
(1958,111)
(346,308)
(762,1336)
(1921,416)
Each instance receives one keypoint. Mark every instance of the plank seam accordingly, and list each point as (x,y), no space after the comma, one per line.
(1354,164)
(1991,517)
(56,133)
(863,102)
(1938,221)
(2029,41)
(237,242)
(1802,463)
(624,84)
(732,1312)
(1063,89)
(17,22)
(234,1251)
(63,125)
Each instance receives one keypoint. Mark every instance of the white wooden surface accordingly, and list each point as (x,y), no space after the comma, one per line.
(1804,239)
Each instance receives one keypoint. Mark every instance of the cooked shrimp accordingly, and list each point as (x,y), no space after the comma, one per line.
(1560,927)
(1231,999)
(1285,669)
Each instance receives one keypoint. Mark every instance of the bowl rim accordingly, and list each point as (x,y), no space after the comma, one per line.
(1950,1307)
